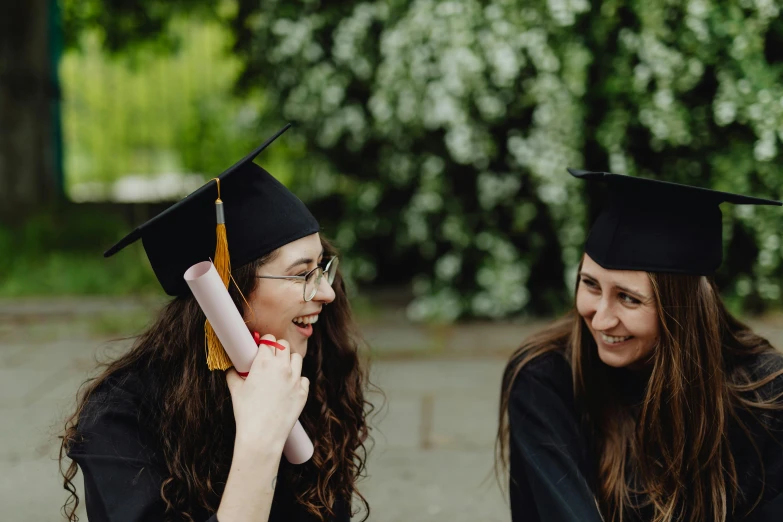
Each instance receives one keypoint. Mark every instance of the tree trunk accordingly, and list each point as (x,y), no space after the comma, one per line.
(29,178)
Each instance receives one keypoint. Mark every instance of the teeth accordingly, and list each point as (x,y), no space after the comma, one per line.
(306,319)
(613,340)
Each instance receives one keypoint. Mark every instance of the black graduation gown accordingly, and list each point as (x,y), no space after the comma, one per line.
(548,457)
(551,470)
(121,465)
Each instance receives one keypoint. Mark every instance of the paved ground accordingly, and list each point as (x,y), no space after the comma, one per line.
(433,455)
(432,459)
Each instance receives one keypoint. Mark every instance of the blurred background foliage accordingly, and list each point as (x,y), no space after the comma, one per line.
(59,253)
(457,119)
(431,137)
(149,113)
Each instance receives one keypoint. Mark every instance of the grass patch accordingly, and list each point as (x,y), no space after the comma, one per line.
(61,253)
(127,324)
(69,273)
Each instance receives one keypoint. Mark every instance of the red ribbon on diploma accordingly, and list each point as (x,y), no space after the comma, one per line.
(266,342)
(272,343)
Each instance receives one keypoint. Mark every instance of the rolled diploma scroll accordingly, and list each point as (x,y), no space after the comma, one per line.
(212,296)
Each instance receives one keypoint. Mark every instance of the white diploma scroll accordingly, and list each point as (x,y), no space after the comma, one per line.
(212,296)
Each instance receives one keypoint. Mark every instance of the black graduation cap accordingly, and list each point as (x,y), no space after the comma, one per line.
(658,226)
(260,215)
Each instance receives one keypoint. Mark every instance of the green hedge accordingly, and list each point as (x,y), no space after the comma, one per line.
(432,136)
(447,127)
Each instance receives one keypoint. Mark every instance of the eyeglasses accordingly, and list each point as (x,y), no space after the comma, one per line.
(312,280)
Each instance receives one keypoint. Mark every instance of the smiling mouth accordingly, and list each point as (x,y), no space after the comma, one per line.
(305,320)
(611,339)
(305,324)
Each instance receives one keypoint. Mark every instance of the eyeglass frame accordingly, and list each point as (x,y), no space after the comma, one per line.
(324,271)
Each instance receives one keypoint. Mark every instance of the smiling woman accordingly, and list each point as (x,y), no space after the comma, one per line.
(163,434)
(648,401)
(618,307)
(287,306)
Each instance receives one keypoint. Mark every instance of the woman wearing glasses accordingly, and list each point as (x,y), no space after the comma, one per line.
(288,306)
(162,435)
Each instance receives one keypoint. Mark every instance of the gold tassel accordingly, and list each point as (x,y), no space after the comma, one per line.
(217,358)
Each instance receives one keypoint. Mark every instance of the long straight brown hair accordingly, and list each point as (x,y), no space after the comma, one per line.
(699,382)
(186,398)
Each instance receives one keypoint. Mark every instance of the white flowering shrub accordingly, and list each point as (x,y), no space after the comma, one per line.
(446,127)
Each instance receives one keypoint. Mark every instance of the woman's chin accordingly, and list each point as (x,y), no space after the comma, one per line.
(298,337)
(300,348)
(616,359)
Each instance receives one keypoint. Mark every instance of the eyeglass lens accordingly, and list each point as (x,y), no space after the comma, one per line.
(314,279)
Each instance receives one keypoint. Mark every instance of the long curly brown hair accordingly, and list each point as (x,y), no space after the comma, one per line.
(701,382)
(189,399)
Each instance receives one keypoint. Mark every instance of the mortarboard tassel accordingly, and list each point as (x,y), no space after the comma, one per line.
(217,359)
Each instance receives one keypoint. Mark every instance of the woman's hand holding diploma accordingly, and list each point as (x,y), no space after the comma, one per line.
(215,302)
(268,402)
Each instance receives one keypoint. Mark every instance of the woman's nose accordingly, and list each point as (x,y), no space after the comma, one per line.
(325,293)
(604,318)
